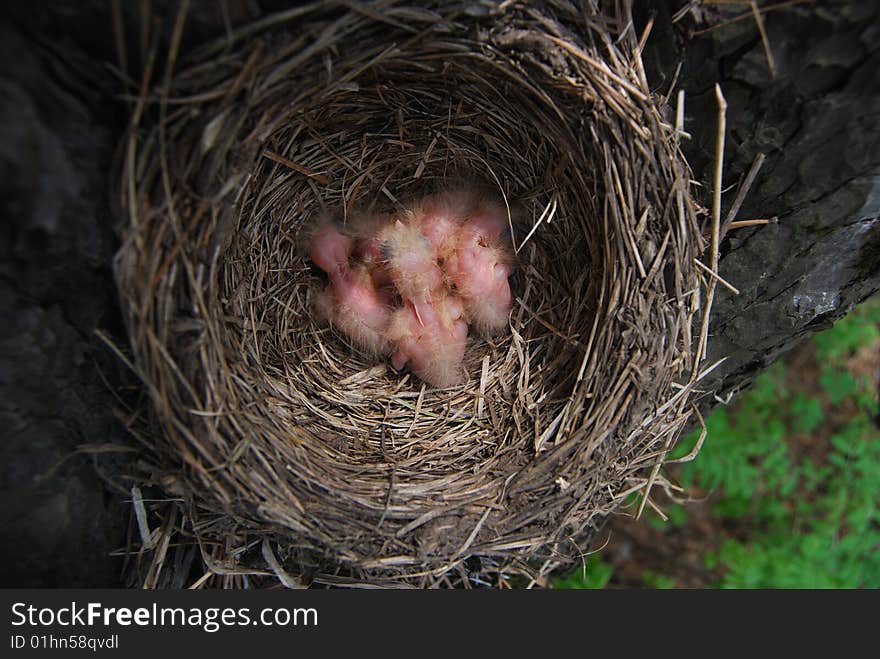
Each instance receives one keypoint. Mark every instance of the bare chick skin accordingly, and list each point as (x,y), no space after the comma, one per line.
(479,268)
(407,284)
(351,301)
(431,338)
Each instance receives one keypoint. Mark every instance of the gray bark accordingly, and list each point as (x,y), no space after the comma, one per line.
(818,124)
(59,523)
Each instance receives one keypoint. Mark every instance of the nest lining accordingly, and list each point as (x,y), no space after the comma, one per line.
(271,425)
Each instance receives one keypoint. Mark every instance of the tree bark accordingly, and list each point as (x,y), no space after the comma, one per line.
(818,124)
(59,523)
(817,121)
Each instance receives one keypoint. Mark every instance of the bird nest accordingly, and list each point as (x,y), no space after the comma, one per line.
(293,453)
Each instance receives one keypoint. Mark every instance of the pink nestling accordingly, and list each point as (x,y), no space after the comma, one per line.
(410,261)
(480,266)
(430,338)
(407,283)
(351,302)
(330,249)
(439,217)
(367,231)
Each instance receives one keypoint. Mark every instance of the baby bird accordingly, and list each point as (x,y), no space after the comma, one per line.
(410,262)
(351,302)
(368,246)
(479,269)
(439,217)
(330,249)
(447,257)
(431,338)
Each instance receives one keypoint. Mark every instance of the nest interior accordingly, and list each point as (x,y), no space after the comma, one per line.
(270,424)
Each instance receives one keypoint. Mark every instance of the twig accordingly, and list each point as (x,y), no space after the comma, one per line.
(549,212)
(716,220)
(742,192)
(704,431)
(679,118)
(140,514)
(739,224)
(281,160)
(161,552)
(280,572)
(721,280)
(764,39)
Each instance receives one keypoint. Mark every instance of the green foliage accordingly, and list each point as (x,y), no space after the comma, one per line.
(814,523)
(828,540)
(806,413)
(745,458)
(860,328)
(838,385)
(594,575)
(659,581)
(798,468)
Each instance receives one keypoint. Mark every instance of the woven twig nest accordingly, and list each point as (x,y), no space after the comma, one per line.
(270,425)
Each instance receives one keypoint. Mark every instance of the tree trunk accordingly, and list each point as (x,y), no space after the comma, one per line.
(817,122)
(59,523)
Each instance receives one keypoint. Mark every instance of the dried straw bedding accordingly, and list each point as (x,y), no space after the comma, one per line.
(269,427)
